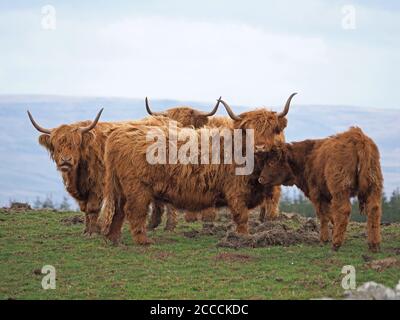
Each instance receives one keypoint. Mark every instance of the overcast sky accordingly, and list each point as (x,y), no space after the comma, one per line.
(251,52)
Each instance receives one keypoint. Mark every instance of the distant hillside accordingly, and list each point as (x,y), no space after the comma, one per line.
(27,172)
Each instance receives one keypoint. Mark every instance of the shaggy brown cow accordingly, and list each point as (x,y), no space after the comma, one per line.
(187,117)
(78,150)
(129,189)
(329,172)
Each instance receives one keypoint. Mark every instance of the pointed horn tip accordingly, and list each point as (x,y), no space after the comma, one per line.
(37,126)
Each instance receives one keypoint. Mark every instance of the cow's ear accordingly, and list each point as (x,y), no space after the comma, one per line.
(282,123)
(44,140)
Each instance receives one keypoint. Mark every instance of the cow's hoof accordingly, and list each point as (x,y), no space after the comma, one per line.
(242,229)
(114,240)
(146,242)
(374,247)
(143,240)
(323,242)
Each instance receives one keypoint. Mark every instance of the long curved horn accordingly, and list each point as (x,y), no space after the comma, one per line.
(151,112)
(213,111)
(287,106)
(38,128)
(93,124)
(229,110)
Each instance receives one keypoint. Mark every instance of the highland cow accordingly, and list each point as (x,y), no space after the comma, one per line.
(78,150)
(187,117)
(330,171)
(130,189)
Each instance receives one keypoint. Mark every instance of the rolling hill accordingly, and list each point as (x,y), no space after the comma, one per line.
(27,172)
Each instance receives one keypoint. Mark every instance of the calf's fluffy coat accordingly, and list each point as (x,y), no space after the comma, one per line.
(330,171)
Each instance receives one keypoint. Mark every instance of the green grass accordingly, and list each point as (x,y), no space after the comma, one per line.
(176,267)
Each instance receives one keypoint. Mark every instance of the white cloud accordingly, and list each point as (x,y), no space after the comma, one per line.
(197,59)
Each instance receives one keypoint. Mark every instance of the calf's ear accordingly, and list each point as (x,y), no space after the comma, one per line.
(44,140)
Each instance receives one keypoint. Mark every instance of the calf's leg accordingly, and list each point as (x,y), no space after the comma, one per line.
(374,214)
(340,210)
(322,209)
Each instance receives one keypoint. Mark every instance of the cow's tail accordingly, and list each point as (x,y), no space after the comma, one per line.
(110,202)
(369,171)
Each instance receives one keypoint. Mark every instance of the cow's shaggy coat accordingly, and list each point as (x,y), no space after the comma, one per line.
(79,156)
(132,183)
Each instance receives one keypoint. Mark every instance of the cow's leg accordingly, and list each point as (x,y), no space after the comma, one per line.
(322,210)
(91,214)
(374,214)
(341,210)
(239,211)
(172,218)
(136,206)
(208,215)
(82,207)
(114,234)
(263,211)
(91,224)
(191,216)
(156,215)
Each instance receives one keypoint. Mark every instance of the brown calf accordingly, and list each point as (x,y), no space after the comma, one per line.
(330,171)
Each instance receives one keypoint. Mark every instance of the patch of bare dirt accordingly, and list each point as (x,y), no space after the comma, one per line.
(162,255)
(396,251)
(20,206)
(280,232)
(69,221)
(380,265)
(237,257)
(191,234)
(37,272)
(16,207)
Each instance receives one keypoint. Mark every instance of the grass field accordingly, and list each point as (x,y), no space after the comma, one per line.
(176,267)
